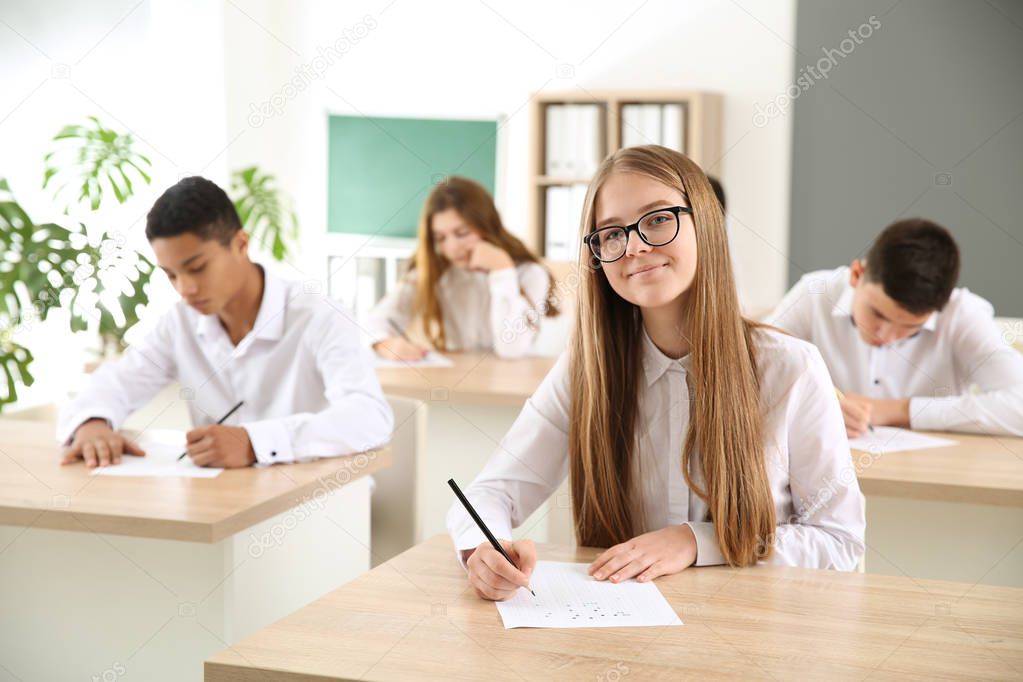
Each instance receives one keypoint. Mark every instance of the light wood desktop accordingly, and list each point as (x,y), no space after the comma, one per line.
(154,574)
(475,378)
(952,513)
(415,618)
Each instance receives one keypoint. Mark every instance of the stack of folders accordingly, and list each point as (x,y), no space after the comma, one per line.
(574,140)
(662,124)
(563,216)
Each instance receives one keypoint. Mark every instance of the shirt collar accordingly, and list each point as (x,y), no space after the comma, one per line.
(843,306)
(656,363)
(269,320)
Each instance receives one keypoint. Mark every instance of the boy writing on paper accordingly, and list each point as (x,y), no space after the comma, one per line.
(904,345)
(238,333)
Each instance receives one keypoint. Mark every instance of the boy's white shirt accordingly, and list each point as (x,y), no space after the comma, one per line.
(818,503)
(958,371)
(307,381)
(498,311)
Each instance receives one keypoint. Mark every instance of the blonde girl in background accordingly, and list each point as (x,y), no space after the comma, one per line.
(472,284)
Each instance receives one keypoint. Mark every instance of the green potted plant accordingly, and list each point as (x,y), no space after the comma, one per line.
(100,280)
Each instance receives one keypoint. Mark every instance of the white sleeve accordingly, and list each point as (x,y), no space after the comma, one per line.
(795,311)
(530,463)
(827,527)
(358,417)
(517,305)
(396,306)
(989,364)
(119,388)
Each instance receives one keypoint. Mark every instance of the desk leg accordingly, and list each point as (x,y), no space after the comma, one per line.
(967,543)
(81,605)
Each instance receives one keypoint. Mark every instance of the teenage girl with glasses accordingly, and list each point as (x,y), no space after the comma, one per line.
(691,434)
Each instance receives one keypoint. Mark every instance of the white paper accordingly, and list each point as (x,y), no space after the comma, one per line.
(162,447)
(432,359)
(566,597)
(885,439)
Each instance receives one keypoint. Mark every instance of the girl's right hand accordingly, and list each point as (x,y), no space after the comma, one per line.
(493,577)
(397,348)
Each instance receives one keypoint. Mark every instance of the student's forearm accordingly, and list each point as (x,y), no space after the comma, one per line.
(356,424)
(996,413)
(891,412)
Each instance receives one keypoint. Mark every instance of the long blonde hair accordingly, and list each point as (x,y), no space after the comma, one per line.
(472,201)
(725,415)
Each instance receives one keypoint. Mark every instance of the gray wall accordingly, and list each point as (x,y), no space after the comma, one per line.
(923,118)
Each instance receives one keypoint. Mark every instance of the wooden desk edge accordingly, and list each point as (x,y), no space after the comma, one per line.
(940,492)
(455,395)
(183,530)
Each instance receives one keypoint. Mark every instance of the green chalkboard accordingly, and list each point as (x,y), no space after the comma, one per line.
(380,170)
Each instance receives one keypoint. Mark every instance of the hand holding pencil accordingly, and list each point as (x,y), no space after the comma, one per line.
(497,569)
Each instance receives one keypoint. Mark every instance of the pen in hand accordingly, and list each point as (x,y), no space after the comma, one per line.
(219,421)
(482,526)
(841,396)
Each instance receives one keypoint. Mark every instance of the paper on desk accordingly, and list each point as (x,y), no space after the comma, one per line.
(566,597)
(162,446)
(432,359)
(885,439)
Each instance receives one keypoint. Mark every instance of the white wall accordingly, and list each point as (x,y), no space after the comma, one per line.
(183,77)
(463,59)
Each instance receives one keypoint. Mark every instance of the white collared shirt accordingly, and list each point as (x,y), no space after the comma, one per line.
(817,499)
(958,371)
(499,311)
(307,381)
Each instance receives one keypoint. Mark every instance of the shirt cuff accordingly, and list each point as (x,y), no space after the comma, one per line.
(270,441)
(708,552)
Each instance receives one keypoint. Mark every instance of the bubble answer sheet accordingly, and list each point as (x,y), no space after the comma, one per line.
(162,448)
(566,597)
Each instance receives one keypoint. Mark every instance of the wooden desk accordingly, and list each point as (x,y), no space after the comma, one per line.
(415,618)
(469,408)
(154,574)
(952,513)
(475,378)
(978,470)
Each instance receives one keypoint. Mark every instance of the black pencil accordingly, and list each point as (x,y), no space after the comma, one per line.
(220,421)
(483,526)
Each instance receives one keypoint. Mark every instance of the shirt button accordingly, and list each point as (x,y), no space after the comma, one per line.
(877,381)
(273,453)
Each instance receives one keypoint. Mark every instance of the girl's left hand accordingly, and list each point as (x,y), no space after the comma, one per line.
(486,258)
(648,556)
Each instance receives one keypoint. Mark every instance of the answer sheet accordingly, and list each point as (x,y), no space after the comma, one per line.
(885,439)
(566,597)
(162,447)
(432,359)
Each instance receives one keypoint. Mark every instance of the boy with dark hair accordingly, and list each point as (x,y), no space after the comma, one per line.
(238,334)
(905,346)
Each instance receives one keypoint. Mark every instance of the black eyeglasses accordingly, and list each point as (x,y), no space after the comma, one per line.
(656,228)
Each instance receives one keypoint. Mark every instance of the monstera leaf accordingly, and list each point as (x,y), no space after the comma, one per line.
(45,267)
(265,213)
(90,159)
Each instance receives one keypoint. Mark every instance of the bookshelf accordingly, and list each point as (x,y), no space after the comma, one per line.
(574,131)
